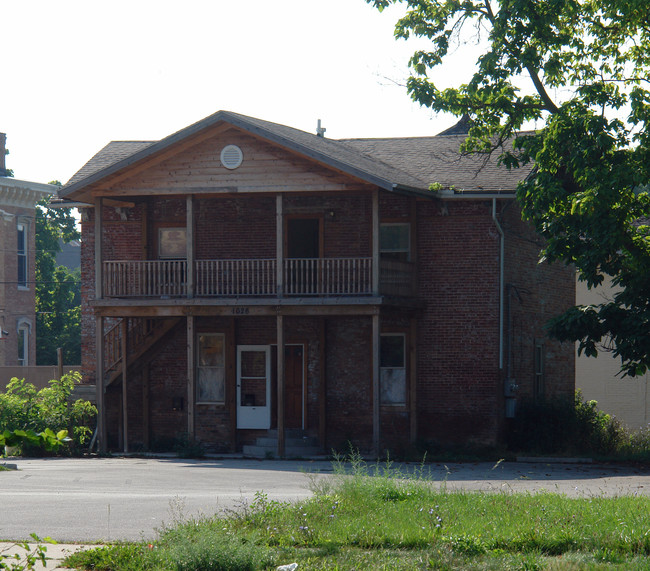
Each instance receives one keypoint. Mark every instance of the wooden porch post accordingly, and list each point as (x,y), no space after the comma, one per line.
(98,249)
(99,331)
(190,245)
(279,246)
(322,391)
(375,383)
(125,420)
(99,383)
(145,406)
(280,375)
(191,374)
(375,242)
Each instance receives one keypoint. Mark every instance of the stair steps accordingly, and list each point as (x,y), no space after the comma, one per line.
(297,444)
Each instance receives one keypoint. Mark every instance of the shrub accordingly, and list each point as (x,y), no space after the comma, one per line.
(23,407)
(566,427)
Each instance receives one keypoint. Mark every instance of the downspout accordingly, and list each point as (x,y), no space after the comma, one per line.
(501,277)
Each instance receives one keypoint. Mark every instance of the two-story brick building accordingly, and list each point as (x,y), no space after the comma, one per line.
(17,266)
(241,276)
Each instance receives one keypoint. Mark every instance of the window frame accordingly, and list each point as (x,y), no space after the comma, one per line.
(403,367)
(22,344)
(222,367)
(22,269)
(394,253)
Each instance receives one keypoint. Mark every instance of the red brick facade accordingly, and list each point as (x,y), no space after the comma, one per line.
(474,321)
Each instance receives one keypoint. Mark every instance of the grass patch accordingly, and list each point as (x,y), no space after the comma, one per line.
(374,517)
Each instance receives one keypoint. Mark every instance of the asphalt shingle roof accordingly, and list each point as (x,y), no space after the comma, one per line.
(409,163)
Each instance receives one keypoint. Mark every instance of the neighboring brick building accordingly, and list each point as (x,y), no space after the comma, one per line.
(402,314)
(17,266)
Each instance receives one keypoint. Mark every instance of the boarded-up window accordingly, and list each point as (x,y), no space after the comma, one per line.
(392,367)
(210,387)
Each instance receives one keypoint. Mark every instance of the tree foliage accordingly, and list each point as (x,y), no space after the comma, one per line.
(58,297)
(581,70)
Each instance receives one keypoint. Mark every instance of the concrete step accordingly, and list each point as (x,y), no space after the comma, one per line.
(256,451)
(288,441)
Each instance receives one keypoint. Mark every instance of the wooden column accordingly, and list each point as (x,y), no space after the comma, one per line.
(413,378)
(375,384)
(231,381)
(375,242)
(99,293)
(191,374)
(322,384)
(280,375)
(279,245)
(190,245)
(99,383)
(145,406)
(125,416)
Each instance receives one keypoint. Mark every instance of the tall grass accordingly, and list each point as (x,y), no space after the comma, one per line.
(377,517)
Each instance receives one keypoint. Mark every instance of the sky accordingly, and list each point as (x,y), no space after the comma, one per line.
(77,74)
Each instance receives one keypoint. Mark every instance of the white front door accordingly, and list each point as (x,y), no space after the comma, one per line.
(253,386)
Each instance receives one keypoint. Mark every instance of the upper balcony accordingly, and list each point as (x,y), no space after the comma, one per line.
(248,278)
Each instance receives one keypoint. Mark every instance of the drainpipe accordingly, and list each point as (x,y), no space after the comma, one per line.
(501,277)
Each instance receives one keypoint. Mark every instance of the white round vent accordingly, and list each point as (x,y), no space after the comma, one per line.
(231,156)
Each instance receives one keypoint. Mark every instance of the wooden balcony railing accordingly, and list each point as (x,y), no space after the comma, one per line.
(233,278)
(256,277)
(328,276)
(145,278)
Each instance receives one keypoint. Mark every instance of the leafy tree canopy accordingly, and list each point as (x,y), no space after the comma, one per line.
(58,298)
(581,69)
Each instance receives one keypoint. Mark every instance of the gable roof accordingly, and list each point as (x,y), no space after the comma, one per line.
(403,164)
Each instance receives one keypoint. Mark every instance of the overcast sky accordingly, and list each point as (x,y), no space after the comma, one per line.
(77,74)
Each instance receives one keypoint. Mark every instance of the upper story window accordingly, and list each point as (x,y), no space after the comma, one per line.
(395,241)
(21,232)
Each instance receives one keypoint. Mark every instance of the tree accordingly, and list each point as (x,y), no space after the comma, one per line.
(581,69)
(58,297)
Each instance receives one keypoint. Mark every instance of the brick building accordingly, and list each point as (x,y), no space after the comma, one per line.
(17,266)
(254,283)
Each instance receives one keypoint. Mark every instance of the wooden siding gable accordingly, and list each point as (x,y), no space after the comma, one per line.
(197,169)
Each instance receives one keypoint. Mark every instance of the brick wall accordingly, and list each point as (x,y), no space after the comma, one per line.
(16,303)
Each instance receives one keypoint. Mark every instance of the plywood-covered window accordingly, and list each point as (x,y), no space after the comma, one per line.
(211,375)
(172,243)
(392,368)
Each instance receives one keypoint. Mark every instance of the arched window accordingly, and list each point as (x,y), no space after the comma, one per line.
(23,331)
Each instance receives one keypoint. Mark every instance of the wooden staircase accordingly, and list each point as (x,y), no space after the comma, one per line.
(142,334)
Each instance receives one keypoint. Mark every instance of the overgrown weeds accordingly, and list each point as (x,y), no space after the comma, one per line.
(25,408)
(378,516)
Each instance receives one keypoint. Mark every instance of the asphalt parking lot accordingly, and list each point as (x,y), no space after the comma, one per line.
(107,499)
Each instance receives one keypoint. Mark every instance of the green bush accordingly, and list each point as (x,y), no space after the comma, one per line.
(24,408)
(566,427)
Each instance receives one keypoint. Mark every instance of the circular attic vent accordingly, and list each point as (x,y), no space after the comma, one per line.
(231,156)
